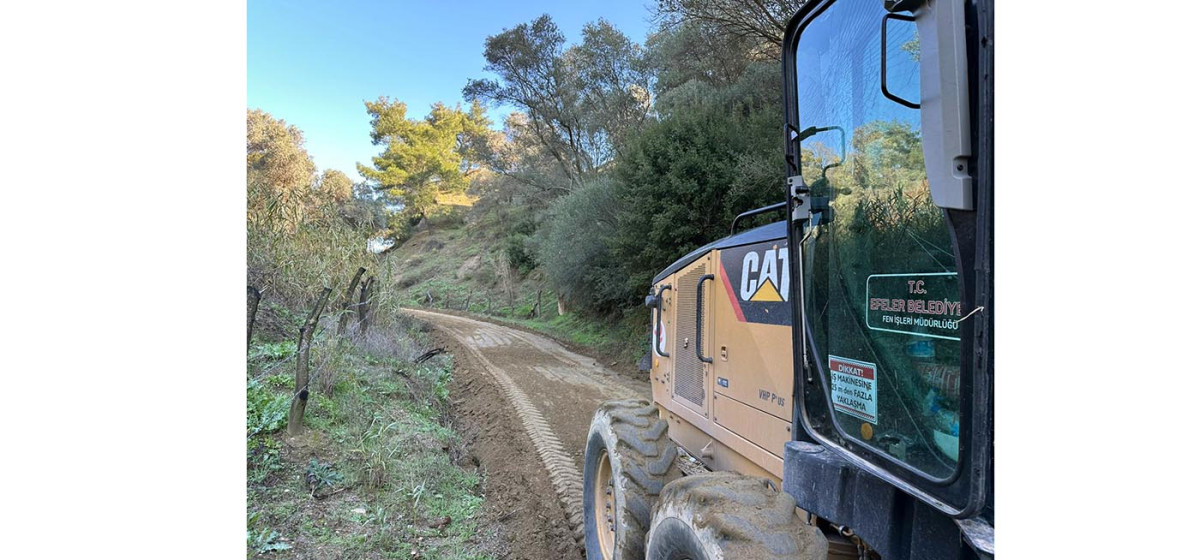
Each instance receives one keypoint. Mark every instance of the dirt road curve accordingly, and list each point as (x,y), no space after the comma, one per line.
(547,390)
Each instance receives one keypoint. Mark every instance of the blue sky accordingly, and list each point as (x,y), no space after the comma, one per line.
(313,63)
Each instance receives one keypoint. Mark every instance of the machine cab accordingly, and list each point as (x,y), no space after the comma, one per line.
(889,190)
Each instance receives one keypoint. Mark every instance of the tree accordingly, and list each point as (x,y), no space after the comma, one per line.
(762,20)
(614,82)
(335,186)
(279,172)
(716,149)
(423,157)
(581,102)
(534,77)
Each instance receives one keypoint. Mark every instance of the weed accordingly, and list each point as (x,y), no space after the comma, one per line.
(261,541)
(272,351)
(262,459)
(320,475)
(266,411)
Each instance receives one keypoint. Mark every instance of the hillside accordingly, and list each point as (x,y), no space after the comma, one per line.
(458,259)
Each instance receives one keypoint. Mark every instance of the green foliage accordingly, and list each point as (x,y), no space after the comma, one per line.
(574,248)
(582,101)
(684,180)
(423,157)
(272,350)
(364,214)
(261,541)
(763,22)
(279,172)
(386,443)
(262,458)
(335,185)
(516,250)
(266,410)
(320,474)
(296,239)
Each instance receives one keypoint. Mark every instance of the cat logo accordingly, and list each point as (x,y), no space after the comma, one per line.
(767,285)
(757,280)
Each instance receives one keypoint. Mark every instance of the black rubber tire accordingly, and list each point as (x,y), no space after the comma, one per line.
(730,516)
(642,459)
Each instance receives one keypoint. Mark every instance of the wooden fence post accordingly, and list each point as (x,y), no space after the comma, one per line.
(364,297)
(347,300)
(252,298)
(300,399)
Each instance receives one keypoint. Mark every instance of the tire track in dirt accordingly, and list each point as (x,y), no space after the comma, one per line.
(532,370)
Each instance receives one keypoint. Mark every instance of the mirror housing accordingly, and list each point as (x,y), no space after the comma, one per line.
(945,110)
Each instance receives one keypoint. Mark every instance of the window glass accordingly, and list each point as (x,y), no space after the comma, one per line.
(881,291)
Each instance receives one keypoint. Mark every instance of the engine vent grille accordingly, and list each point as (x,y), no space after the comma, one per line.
(689,370)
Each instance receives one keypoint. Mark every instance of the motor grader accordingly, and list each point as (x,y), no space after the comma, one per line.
(826,379)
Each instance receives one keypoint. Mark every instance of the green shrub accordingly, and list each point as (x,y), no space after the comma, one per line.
(573,248)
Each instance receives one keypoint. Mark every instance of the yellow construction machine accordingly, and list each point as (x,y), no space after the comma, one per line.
(822,385)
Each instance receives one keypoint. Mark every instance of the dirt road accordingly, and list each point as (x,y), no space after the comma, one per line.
(525,403)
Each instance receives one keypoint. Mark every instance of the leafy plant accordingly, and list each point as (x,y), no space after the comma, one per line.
(261,541)
(266,411)
(319,474)
(262,459)
(272,351)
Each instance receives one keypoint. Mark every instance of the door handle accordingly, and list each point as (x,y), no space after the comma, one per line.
(658,320)
(700,317)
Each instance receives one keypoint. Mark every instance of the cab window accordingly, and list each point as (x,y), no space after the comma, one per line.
(882,296)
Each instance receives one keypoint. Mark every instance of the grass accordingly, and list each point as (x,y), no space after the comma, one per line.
(614,340)
(377,472)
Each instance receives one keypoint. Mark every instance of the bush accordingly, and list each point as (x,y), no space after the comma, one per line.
(573,248)
(517,252)
(684,179)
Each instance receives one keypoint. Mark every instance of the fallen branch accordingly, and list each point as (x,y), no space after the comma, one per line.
(429,354)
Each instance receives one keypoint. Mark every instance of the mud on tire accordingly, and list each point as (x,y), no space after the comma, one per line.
(632,439)
(730,516)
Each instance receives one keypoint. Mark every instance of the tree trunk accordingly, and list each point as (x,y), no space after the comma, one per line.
(562,305)
(467,305)
(300,400)
(253,296)
(364,304)
(347,299)
(537,307)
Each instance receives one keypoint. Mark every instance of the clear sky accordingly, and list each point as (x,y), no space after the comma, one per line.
(313,63)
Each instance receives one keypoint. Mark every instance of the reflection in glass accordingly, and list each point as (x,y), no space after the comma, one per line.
(881,291)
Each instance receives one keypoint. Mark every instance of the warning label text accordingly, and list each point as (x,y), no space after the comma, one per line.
(854,389)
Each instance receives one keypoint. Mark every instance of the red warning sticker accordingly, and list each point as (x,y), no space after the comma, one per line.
(854,388)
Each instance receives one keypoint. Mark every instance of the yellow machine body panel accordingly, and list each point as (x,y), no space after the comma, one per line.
(730,404)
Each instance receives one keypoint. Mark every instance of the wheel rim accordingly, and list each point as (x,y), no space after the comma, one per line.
(604,508)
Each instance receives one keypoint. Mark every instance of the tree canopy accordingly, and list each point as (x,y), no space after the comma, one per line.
(580,102)
(424,157)
(279,172)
